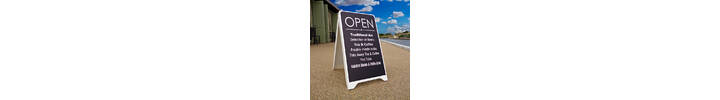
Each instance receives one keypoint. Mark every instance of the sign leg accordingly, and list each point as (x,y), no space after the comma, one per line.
(338,58)
(351,85)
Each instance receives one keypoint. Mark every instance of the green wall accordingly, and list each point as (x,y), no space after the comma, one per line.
(318,12)
(323,20)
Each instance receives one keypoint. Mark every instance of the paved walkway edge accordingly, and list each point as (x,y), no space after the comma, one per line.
(401,46)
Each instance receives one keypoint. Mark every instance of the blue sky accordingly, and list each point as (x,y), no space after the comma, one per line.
(393,14)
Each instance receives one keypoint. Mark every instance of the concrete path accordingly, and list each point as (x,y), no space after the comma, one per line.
(329,84)
(398,41)
(405,44)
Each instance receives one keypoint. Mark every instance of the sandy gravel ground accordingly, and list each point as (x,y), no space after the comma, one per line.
(328,84)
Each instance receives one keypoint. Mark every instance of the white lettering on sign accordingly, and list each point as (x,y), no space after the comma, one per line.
(361,35)
(365,64)
(362,22)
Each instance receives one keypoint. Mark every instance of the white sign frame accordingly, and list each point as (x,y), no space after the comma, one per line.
(339,41)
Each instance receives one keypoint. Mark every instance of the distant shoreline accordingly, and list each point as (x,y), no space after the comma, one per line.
(396,38)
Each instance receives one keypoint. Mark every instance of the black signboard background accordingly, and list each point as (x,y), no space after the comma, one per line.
(360,73)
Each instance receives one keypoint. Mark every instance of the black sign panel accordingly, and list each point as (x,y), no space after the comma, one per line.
(361,46)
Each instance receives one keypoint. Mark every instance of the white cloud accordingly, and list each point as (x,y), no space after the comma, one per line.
(377,20)
(397,14)
(398,28)
(407,0)
(366,9)
(384,22)
(392,21)
(389,0)
(357,2)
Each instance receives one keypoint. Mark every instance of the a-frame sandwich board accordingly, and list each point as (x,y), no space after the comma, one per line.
(357,49)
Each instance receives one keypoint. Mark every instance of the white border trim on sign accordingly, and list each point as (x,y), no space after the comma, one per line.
(350,85)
